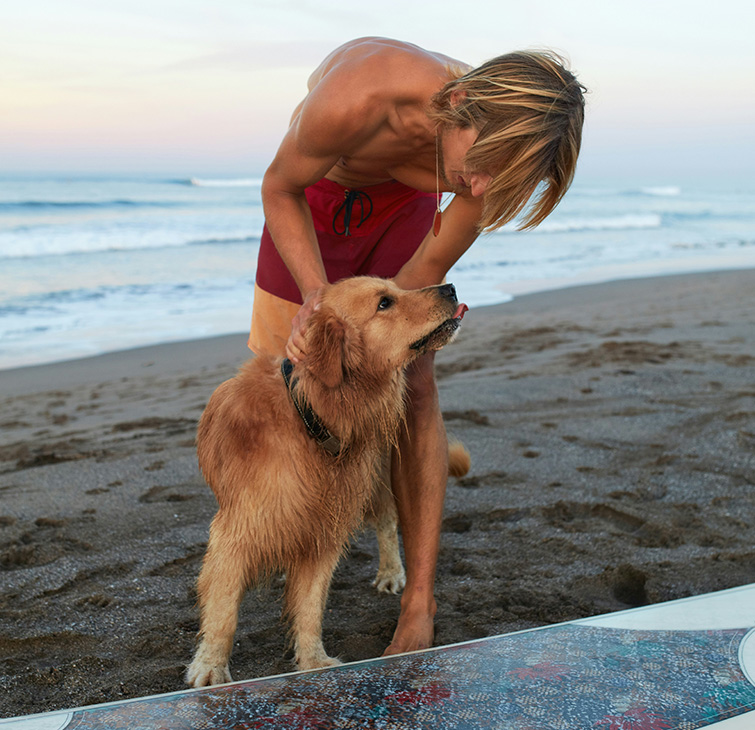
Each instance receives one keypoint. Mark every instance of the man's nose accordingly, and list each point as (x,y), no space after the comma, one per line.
(478,184)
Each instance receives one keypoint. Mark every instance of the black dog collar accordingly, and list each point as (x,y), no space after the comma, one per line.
(314,425)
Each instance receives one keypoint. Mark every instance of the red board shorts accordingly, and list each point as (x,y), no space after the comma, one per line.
(372,231)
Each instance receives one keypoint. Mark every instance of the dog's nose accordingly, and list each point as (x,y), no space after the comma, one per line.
(447,291)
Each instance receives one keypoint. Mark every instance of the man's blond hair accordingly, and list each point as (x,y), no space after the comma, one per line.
(529,109)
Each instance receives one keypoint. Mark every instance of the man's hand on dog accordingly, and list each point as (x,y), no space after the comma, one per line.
(295,351)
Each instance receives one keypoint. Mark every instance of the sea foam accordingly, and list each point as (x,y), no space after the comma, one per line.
(667,191)
(94,265)
(609,223)
(250,182)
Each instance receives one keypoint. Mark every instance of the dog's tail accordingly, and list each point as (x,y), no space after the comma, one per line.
(459,460)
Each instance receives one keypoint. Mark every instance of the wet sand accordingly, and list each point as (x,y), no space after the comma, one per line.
(612,433)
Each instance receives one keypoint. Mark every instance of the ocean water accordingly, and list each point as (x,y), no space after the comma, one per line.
(96,264)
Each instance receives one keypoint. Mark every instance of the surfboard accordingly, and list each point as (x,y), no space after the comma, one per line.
(680,665)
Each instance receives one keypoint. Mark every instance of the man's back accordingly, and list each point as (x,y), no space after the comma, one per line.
(367,103)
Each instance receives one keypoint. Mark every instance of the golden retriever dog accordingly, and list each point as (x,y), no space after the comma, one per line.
(296,457)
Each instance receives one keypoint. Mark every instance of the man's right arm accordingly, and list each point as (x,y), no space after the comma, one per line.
(289,220)
(287,213)
(330,123)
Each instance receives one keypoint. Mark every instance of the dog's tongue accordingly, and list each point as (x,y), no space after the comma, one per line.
(461,310)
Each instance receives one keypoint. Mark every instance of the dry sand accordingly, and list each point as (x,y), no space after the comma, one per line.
(611,429)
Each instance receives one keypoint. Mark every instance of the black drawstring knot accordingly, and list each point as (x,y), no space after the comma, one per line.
(347,206)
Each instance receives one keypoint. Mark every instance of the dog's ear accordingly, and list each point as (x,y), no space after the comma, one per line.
(326,347)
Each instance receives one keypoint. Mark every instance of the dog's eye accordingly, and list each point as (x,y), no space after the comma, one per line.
(384,303)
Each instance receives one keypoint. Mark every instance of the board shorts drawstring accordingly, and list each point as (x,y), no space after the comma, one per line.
(352,196)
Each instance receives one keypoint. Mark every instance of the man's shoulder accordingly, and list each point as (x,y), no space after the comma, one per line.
(357,91)
(358,87)
(381,63)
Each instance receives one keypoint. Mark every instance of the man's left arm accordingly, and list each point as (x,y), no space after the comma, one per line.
(436,255)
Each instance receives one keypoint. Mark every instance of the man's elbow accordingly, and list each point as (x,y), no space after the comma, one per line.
(275,189)
(270,186)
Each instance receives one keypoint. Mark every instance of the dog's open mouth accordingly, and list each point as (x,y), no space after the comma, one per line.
(442,334)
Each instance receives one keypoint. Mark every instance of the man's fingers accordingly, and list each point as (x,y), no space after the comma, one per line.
(299,342)
(295,347)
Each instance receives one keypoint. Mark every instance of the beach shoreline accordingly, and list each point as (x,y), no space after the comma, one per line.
(612,432)
(122,359)
(513,289)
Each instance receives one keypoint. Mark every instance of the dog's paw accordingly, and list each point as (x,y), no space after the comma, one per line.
(203,674)
(312,655)
(390,581)
(320,661)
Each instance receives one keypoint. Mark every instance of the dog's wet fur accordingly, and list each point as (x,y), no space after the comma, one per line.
(285,503)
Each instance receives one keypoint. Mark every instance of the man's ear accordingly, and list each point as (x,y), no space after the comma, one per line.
(326,341)
(457,96)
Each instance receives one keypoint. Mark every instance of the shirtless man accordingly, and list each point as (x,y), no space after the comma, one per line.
(353,189)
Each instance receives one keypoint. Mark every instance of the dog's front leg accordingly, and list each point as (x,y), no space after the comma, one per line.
(307,585)
(221,586)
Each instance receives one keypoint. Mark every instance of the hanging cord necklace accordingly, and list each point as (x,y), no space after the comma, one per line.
(436,217)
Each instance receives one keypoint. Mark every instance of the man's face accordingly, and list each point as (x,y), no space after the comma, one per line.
(454,145)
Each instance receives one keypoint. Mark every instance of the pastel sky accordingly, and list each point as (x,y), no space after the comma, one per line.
(203,87)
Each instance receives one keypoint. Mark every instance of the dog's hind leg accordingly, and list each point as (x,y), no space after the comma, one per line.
(307,585)
(221,586)
(383,516)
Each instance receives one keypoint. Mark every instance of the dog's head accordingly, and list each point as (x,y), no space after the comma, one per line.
(366,322)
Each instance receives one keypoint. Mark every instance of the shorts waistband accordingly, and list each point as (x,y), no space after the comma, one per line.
(389,189)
